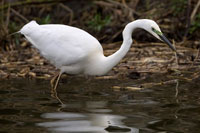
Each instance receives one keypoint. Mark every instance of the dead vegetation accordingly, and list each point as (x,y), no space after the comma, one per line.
(105,20)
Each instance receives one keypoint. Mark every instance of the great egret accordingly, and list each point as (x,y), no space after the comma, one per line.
(75,51)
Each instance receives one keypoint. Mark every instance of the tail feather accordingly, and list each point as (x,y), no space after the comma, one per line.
(29,27)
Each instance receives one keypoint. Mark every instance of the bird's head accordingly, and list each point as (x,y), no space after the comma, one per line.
(153,28)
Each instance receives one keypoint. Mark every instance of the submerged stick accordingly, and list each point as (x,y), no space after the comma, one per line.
(176,54)
(177,84)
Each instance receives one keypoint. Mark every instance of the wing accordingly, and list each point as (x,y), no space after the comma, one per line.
(64,45)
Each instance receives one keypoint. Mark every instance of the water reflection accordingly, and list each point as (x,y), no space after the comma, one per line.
(77,122)
(97,119)
(26,106)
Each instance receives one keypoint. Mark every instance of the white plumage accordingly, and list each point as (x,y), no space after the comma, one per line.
(75,51)
(64,46)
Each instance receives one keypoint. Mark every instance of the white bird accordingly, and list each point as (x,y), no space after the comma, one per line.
(75,51)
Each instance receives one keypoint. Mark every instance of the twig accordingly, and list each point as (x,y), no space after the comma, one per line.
(4,26)
(135,3)
(130,13)
(19,15)
(145,85)
(191,18)
(195,59)
(2,12)
(177,61)
(69,10)
(177,84)
(28,2)
(188,20)
(103,3)
(194,11)
(116,34)
(195,75)
(8,17)
(123,5)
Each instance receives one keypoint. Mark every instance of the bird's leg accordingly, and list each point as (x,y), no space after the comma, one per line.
(57,81)
(53,79)
(53,90)
(55,95)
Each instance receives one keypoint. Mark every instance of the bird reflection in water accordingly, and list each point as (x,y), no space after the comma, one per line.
(99,119)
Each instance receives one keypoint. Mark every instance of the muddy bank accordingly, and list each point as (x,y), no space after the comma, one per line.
(143,59)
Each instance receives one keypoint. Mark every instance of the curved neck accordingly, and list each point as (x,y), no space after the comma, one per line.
(100,64)
(115,58)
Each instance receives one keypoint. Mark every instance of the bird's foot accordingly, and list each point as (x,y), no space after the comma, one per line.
(55,95)
(54,87)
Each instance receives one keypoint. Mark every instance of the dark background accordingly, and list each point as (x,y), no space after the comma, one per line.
(178,19)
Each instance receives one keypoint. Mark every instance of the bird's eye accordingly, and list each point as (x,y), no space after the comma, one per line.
(153,29)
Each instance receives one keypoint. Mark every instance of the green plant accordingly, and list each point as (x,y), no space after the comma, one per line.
(97,23)
(13,27)
(195,24)
(46,20)
(178,6)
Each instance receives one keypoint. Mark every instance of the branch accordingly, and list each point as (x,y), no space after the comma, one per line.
(69,10)
(19,15)
(194,11)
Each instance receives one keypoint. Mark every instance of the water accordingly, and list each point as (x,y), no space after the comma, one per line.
(95,107)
